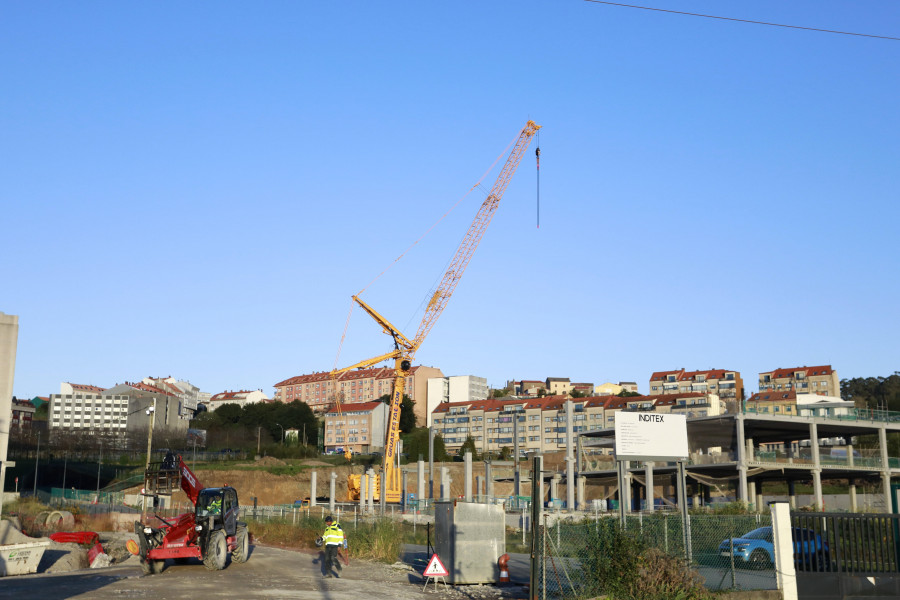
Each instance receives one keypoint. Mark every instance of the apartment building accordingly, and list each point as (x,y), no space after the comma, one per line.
(361,427)
(241,398)
(189,394)
(540,422)
(22,414)
(822,380)
(558,386)
(614,389)
(321,392)
(457,388)
(122,408)
(727,385)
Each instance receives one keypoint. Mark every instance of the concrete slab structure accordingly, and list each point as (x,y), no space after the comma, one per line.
(744,451)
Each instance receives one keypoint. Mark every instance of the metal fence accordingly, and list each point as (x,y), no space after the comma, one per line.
(846,543)
(576,556)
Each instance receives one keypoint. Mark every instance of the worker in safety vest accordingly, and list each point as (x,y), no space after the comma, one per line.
(334,540)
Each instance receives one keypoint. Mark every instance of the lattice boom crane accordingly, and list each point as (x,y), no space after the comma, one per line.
(404,348)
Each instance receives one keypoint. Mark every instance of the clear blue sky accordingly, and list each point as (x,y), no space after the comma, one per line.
(197,189)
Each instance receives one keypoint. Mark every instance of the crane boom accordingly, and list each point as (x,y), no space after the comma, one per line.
(405,349)
(473,237)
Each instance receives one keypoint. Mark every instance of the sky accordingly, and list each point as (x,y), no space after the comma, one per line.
(197,189)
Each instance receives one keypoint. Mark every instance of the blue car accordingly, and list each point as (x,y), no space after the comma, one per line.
(756,549)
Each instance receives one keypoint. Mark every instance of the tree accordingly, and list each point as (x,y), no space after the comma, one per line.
(407,412)
(469,446)
(627,394)
(577,394)
(542,392)
(415,445)
(407,415)
(501,393)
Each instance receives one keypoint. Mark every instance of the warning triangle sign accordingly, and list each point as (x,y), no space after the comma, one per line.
(435,568)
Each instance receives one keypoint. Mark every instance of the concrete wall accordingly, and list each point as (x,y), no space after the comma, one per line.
(9,338)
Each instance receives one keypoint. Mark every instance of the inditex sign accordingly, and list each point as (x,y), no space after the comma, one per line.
(651,436)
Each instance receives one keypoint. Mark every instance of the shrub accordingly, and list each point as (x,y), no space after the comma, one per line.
(620,564)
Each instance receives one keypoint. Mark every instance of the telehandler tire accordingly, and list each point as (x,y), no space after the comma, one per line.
(216,551)
(241,551)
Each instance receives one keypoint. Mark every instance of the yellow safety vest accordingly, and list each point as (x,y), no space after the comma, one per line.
(334,535)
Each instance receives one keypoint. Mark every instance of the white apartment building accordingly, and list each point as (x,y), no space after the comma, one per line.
(456,388)
(241,398)
(115,410)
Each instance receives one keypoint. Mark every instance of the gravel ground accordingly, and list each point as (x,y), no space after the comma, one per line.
(270,573)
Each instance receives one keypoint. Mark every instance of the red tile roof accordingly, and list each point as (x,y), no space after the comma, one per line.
(354,407)
(86,388)
(808,371)
(371,373)
(682,375)
(778,395)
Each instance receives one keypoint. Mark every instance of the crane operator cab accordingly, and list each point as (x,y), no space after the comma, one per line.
(218,508)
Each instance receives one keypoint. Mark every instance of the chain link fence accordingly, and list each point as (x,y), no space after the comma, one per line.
(594,556)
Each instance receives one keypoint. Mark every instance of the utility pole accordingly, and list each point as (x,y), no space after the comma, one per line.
(99,462)
(258,430)
(37,459)
(65,465)
(152,413)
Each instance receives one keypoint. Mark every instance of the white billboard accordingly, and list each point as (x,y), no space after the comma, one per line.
(651,436)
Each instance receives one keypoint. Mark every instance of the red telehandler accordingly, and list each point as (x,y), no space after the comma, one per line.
(209,533)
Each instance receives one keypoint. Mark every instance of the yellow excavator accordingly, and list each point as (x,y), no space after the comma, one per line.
(404,348)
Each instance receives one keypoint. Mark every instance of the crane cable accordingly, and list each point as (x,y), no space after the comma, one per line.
(537,154)
(405,252)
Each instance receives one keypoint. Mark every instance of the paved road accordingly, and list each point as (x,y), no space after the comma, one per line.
(270,573)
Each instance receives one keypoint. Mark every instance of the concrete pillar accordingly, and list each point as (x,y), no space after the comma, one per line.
(478,484)
(850,454)
(489,481)
(445,483)
(751,492)
(405,497)
(741,448)
(750,452)
(554,486)
(792,494)
(760,507)
(853,506)
(885,466)
(570,456)
(817,489)
(312,488)
(580,502)
(817,465)
(789,451)
(629,479)
(467,470)
(9,340)
(648,478)
(363,492)
(331,491)
(372,488)
(420,478)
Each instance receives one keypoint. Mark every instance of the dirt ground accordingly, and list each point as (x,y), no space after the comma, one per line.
(252,482)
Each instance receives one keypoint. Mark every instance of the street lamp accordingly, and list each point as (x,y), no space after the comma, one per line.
(281,441)
(37,459)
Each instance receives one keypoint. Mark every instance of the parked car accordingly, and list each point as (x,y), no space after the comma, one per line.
(756,549)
